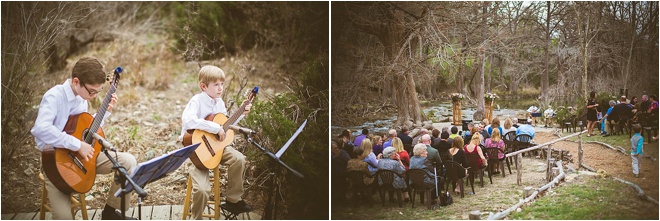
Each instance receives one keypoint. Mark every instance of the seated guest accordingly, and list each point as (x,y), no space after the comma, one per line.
(469,131)
(435,137)
(457,155)
(497,142)
(388,143)
(526,129)
(403,155)
(473,148)
(358,164)
(421,132)
(391,161)
(482,131)
(515,122)
(369,156)
(378,145)
(621,113)
(454,132)
(443,145)
(358,139)
(419,162)
(495,124)
(339,161)
(508,126)
(604,120)
(345,142)
(406,139)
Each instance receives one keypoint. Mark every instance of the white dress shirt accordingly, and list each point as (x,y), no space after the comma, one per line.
(200,106)
(57,104)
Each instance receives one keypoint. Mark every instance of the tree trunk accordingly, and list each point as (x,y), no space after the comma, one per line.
(545,79)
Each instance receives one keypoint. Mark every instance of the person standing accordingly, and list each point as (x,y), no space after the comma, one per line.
(637,143)
(591,113)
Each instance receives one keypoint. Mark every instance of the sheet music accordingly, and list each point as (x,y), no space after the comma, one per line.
(286,145)
(157,167)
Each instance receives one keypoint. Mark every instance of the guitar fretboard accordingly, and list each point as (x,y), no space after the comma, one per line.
(100,114)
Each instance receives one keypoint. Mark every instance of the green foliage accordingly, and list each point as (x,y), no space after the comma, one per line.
(205,29)
(277,119)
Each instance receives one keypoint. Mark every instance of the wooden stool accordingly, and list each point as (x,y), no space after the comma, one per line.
(74,203)
(216,197)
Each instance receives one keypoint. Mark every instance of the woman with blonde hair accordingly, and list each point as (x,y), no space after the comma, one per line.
(497,142)
(403,154)
(377,141)
(473,148)
(508,126)
(369,156)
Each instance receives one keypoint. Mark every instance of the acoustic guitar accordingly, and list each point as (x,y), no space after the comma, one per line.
(209,153)
(67,169)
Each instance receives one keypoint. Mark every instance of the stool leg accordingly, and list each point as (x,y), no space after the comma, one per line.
(186,201)
(83,206)
(216,192)
(44,199)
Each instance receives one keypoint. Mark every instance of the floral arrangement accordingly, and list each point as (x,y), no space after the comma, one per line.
(491,96)
(457,96)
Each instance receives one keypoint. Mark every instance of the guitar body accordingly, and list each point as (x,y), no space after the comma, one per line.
(209,153)
(62,169)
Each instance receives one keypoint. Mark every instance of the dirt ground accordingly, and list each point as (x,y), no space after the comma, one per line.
(145,122)
(613,162)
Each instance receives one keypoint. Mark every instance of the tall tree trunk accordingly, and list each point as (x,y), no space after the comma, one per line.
(545,79)
(479,84)
(490,74)
(633,33)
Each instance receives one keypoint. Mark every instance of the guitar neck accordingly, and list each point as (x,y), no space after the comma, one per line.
(96,124)
(234,116)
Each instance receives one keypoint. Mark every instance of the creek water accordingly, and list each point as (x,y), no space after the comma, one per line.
(439,111)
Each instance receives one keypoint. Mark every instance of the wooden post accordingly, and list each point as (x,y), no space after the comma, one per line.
(519,167)
(456,112)
(475,215)
(579,150)
(548,170)
(527,192)
(555,172)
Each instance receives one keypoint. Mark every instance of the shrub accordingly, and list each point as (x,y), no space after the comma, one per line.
(277,119)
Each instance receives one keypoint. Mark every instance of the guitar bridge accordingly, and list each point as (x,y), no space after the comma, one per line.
(208,145)
(78,163)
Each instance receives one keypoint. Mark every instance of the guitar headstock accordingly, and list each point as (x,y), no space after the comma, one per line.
(253,93)
(117,75)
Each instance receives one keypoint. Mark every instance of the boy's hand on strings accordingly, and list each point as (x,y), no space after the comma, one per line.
(113,101)
(221,134)
(86,151)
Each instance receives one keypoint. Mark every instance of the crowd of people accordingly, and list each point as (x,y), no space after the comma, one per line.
(399,152)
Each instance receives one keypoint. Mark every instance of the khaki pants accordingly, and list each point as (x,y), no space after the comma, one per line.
(202,186)
(61,202)
(636,163)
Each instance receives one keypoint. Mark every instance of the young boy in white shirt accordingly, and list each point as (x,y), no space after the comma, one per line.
(57,104)
(209,101)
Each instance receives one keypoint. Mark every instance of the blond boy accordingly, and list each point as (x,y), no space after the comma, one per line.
(209,101)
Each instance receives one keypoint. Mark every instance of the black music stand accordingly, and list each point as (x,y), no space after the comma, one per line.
(155,169)
(274,161)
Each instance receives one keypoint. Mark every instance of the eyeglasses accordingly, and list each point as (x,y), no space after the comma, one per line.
(91,93)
